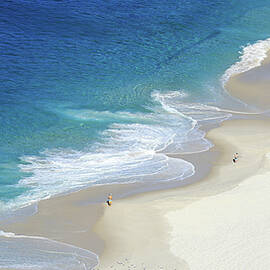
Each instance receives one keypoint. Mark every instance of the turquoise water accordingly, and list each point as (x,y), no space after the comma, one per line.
(84,85)
(97,92)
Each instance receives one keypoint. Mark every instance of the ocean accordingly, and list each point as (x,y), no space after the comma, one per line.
(98,92)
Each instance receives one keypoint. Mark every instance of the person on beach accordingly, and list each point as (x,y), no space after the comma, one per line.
(109,200)
(235,157)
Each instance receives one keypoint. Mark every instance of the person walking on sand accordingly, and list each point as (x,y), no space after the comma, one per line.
(109,200)
(235,157)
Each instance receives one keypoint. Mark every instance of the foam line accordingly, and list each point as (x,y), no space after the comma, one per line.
(128,152)
(251,56)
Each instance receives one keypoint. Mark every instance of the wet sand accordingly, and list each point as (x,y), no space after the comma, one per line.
(143,229)
(253,86)
(219,222)
(72,218)
(158,225)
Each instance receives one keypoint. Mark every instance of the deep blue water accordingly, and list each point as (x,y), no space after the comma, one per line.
(80,76)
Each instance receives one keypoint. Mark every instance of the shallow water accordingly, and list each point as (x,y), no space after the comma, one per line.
(106,86)
(18,251)
(98,93)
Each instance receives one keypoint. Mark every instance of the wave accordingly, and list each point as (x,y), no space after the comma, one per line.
(33,252)
(128,152)
(251,56)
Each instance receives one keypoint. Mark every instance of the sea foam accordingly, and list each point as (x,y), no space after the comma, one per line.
(133,149)
(251,56)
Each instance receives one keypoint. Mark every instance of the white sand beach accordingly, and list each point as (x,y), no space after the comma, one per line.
(220,222)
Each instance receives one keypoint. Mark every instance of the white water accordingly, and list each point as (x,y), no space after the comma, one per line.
(129,152)
(251,56)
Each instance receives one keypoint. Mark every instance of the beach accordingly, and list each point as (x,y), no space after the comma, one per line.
(148,103)
(222,218)
(252,86)
(205,224)
(219,222)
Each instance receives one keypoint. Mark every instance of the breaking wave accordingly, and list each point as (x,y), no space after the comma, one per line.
(128,152)
(251,56)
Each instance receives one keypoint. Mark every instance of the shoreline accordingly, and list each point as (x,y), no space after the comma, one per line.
(252,86)
(63,219)
(156,228)
(146,209)
(58,217)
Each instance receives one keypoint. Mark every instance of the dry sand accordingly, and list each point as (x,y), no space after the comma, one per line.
(220,222)
(177,228)
(193,222)
(230,230)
